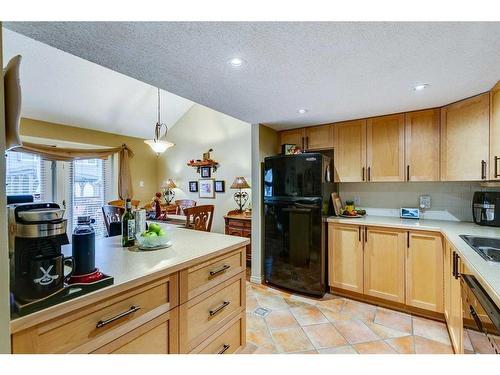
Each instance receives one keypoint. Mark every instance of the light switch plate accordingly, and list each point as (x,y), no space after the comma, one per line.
(425,202)
(141,183)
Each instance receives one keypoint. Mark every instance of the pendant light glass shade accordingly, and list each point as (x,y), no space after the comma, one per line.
(159,144)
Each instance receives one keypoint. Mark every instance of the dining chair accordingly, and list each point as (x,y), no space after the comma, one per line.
(112,214)
(121,203)
(200,217)
(182,204)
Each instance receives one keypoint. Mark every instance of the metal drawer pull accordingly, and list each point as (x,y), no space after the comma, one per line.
(225,347)
(220,270)
(496,167)
(218,309)
(102,323)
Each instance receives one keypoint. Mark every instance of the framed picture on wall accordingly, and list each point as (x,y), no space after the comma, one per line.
(205,172)
(220,186)
(193,186)
(207,188)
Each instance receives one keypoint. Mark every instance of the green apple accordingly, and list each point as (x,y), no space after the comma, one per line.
(153,227)
(151,234)
(162,232)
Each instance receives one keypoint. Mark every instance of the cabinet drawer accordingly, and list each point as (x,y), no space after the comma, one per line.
(207,275)
(235,231)
(239,223)
(227,340)
(204,315)
(90,327)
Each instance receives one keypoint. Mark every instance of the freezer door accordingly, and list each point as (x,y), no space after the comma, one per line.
(294,255)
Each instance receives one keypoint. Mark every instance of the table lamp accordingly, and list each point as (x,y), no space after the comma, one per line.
(241,197)
(168,193)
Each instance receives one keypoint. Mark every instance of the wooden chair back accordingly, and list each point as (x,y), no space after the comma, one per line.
(182,204)
(112,214)
(200,217)
(121,203)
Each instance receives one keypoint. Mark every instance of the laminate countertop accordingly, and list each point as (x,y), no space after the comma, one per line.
(487,273)
(129,265)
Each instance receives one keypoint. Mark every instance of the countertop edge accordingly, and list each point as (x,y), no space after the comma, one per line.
(494,295)
(30,320)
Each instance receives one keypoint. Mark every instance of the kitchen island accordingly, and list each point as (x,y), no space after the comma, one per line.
(187,298)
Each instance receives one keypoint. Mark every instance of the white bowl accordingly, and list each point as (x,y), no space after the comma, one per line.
(153,242)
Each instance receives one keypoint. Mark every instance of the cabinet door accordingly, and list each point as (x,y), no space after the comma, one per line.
(465,139)
(319,137)
(345,254)
(495,133)
(350,151)
(422,145)
(424,271)
(447,282)
(158,336)
(293,137)
(384,264)
(455,320)
(385,148)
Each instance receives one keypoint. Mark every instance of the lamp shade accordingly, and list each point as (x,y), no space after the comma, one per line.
(169,184)
(159,146)
(240,183)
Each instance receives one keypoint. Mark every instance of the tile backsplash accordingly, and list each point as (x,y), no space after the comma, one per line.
(449,200)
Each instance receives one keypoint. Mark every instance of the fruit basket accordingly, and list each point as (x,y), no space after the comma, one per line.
(154,238)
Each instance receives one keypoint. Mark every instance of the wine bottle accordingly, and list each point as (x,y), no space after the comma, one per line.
(128,226)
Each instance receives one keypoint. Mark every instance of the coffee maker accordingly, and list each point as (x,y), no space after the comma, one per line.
(486,208)
(36,233)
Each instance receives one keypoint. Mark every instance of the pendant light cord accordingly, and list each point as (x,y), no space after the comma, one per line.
(158,105)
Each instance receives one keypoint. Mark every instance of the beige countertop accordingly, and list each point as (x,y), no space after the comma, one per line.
(128,265)
(487,273)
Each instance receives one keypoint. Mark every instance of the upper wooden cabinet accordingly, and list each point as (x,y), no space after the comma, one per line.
(465,139)
(293,137)
(350,151)
(319,138)
(385,148)
(422,145)
(384,264)
(495,133)
(424,270)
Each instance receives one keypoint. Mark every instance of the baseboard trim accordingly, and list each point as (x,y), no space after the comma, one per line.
(256,279)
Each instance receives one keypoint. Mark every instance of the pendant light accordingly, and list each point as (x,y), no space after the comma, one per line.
(159,144)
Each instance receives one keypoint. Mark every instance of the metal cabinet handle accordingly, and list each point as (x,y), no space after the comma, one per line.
(224,348)
(369,173)
(302,143)
(220,270)
(366,234)
(496,167)
(408,172)
(363,173)
(218,309)
(359,234)
(455,272)
(102,323)
(483,170)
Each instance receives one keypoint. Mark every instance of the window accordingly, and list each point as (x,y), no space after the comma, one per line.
(28,174)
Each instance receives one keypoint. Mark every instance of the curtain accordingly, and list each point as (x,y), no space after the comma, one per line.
(68,154)
(12,99)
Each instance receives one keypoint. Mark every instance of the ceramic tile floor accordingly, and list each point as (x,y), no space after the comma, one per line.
(279,322)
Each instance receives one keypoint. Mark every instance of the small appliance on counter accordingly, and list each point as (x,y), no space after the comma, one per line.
(486,208)
(37,231)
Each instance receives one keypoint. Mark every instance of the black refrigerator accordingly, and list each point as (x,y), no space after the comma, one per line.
(297,196)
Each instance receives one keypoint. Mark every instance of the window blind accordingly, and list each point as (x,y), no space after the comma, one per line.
(89,182)
(28,174)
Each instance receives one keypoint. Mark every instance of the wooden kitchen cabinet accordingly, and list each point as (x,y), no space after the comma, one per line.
(447,270)
(465,139)
(424,271)
(350,151)
(495,133)
(385,148)
(319,137)
(455,317)
(345,254)
(384,264)
(294,137)
(422,145)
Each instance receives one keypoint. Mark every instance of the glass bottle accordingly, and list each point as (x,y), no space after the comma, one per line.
(128,226)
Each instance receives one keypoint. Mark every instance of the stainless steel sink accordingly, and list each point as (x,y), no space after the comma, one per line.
(488,248)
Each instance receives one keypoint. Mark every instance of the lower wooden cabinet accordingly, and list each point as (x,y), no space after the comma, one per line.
(345,269)
(384,264)
(424,271)
(455,315)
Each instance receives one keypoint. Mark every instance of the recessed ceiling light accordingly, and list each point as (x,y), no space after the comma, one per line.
(302,111)
(236,62)
(420,87)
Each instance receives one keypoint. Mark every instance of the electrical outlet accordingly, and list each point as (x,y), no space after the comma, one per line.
(425,202)
(141,183)
(357,201)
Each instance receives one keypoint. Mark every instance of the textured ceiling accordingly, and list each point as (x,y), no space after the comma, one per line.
(336,70)
(62,88)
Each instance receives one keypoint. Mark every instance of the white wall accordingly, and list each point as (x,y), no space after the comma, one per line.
(200,129)
(4,257)
(449,200)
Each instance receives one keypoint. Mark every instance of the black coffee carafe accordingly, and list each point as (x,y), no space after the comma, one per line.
(84,246)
